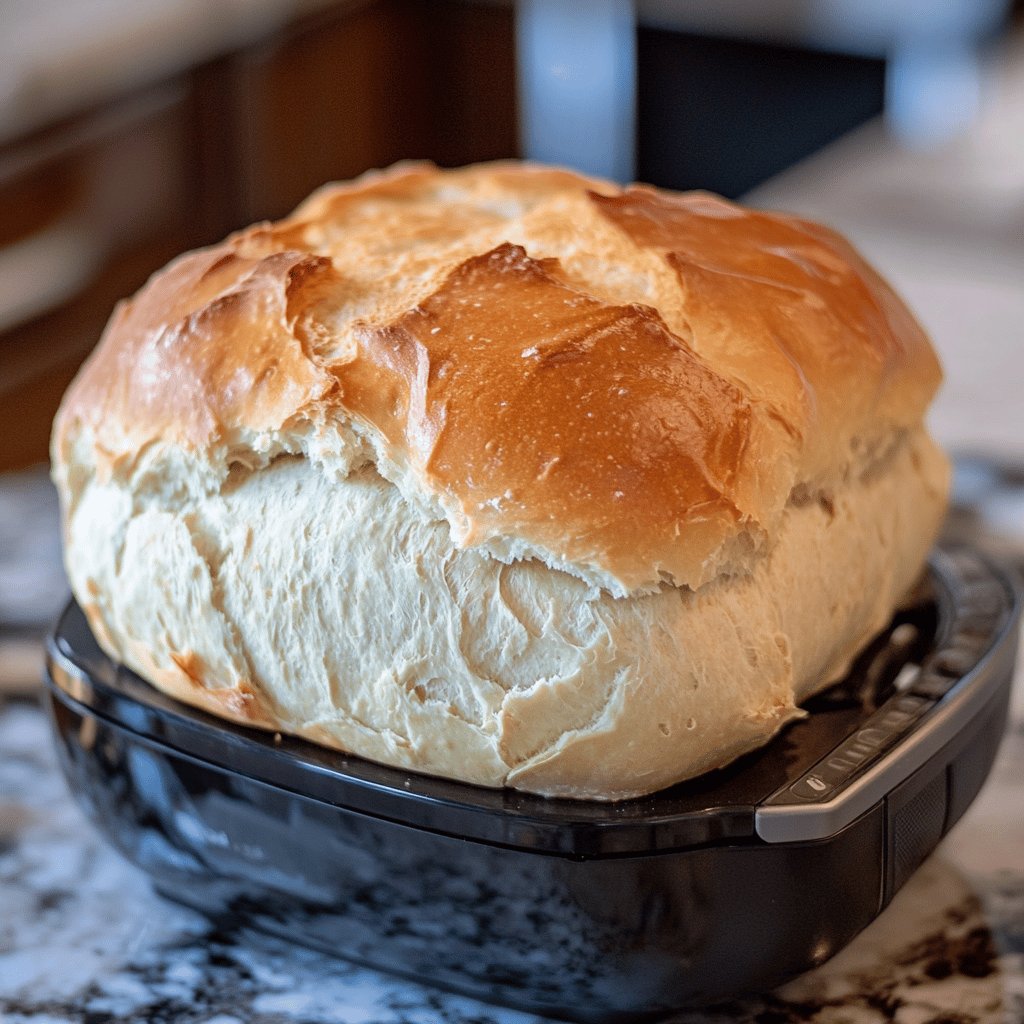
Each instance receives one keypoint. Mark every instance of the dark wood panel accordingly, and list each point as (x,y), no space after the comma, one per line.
(395,80)
(471,62)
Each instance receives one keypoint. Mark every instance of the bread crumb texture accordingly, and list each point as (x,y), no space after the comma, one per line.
(504,474)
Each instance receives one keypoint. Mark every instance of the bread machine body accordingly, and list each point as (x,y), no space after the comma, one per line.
(592,912)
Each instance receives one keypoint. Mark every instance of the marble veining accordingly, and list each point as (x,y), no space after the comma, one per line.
(83,938)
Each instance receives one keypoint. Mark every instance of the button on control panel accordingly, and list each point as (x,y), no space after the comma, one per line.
(882,731)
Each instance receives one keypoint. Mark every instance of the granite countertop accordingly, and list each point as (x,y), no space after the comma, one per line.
(84,938)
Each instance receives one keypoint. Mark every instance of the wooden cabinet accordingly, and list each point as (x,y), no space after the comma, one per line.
(92,206)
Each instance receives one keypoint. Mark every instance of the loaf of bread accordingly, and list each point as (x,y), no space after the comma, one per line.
(504,474)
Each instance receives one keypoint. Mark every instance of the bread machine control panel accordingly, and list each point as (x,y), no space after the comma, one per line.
(934,703)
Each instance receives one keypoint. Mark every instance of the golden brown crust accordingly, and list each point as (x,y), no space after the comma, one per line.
(207,347)
(526,428)
(792,310)
(629,434)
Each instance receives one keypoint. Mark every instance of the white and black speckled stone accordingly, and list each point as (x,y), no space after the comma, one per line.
(83,938)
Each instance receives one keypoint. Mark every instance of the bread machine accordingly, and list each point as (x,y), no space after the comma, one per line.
(589,911)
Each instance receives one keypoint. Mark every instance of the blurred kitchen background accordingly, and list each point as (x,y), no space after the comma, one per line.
(131,130)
